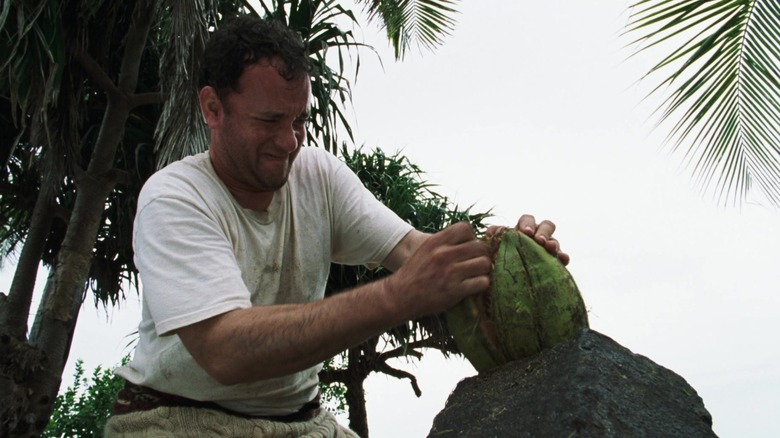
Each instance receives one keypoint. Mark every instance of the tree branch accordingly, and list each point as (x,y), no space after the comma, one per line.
(94,71)
(135,43)
(400,374)
(332,376)
(410,349)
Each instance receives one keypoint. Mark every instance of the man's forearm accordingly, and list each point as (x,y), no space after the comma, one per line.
(271,341)
(433,273)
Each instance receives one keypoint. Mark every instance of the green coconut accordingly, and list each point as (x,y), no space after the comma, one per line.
(532,304)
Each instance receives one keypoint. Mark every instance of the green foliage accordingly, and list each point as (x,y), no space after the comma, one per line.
(426,22)
(333,395)
(31,55)
(18,199)
(82,410)
(400,185)
(724,86)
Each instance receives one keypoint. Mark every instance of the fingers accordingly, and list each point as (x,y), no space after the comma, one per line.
(460,238)
(447,267)
(545,229)
(564,258)
(476,263)
(475,285)
(454,234)
(527,224)
(542,233)
(494,230)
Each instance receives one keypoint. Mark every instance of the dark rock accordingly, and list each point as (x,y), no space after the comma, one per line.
(590,386)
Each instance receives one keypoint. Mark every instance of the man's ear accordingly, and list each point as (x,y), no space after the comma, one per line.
(210,106)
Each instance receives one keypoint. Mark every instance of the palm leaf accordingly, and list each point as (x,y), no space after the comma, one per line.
(725,90)
(31,61)
(184,31)
(425,22)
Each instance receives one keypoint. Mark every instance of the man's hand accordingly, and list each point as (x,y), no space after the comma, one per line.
(541,232)
(447,267)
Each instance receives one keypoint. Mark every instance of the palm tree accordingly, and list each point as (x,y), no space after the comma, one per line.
(81,96)
(725,81)
(54,77)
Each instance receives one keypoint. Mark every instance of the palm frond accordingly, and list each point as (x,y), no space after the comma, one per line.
(180,130)
(32,57)
(425,22)
(725,89)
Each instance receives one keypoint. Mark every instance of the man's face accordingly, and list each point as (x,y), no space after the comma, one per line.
(257,132)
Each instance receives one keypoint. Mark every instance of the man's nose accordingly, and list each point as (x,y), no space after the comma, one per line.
(288,138)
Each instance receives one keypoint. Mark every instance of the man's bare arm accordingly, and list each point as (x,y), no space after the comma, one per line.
(271,341)
(404,249)
(433,273)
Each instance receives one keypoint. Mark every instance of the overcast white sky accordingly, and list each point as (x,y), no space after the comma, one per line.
(532,107)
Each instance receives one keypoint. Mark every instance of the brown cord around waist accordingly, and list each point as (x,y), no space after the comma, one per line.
(134,398)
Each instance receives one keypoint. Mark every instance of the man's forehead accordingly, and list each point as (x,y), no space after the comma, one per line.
(266,75)
(270,74)
(279,66)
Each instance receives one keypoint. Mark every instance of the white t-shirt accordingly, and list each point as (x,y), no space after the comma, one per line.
(201,254)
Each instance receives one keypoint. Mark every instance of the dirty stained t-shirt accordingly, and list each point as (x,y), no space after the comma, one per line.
(200,254)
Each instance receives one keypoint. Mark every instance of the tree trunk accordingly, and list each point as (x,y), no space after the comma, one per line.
(358,417)
(15,353)
(15,310)
(356,395)
(13,313)
(18,360)
(52,332)
(57,315)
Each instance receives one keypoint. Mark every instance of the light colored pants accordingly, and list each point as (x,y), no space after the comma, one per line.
(171,422)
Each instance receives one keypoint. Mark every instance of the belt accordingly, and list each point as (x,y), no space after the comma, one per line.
(134,398)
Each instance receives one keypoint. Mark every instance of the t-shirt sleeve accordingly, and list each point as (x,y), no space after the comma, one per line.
(189,270)
(364,229)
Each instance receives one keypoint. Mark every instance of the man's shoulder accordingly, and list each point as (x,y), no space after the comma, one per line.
(316,162)
(186,177)
(187,165)
(192,167)
(313,154)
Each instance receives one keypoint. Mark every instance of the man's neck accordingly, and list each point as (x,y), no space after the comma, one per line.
(251,199)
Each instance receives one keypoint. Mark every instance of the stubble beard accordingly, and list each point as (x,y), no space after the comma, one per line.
(252,173)
(269,183)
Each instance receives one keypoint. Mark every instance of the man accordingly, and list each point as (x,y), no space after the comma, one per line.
(234,247)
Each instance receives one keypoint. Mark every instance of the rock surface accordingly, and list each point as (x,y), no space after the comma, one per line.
(590,386)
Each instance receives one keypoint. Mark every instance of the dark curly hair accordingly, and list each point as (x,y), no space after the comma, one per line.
(245,40)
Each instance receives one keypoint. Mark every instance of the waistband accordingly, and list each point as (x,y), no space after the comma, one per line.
(133,398)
